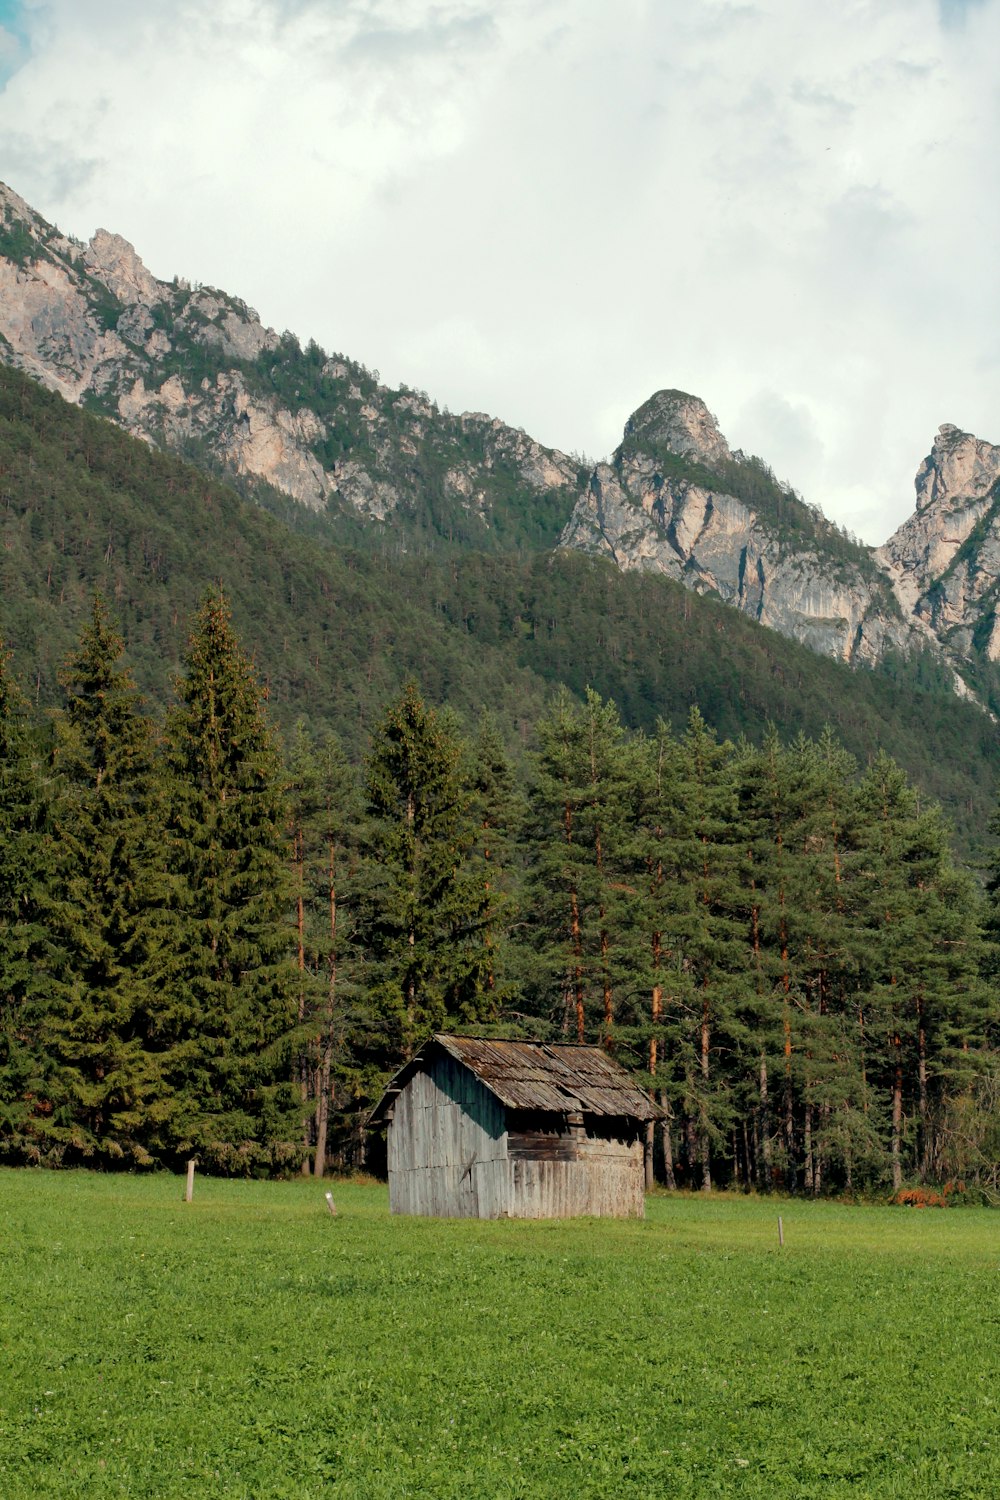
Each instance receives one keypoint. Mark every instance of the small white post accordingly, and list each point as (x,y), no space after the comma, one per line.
(781,1231)
(189,1190)
(330,1204)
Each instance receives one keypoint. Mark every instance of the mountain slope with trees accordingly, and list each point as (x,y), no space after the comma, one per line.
(322,442)
(335,632)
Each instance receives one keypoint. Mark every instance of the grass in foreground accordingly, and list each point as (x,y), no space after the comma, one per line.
(248,1345)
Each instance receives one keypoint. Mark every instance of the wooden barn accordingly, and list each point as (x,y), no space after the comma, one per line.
(495,1129)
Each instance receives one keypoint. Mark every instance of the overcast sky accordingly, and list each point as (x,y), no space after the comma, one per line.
(548,209)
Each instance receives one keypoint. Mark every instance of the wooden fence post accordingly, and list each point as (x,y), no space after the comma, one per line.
(189,1190)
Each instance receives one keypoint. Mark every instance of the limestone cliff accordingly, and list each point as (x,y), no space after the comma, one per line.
(674,499)
(944,561)
(194,369)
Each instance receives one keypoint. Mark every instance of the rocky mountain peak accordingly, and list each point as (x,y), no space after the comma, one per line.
(114,261)
(938,581)
(959,468)
(680,423)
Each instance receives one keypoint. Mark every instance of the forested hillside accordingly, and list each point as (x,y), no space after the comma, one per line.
(369,796)
(334,632)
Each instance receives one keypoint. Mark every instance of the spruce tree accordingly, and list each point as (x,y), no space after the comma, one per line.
(106,1090)
(226,1023)
(26,874)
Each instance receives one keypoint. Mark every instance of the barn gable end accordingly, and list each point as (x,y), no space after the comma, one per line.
(492,1129)
(447,1145)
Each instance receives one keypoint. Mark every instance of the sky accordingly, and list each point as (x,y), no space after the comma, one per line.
(550,209)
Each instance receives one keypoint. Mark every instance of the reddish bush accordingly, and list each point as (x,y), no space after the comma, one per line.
(924,1197)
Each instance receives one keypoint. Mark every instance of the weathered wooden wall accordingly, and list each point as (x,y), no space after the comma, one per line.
(599,1178)
(448,1146)
(450,1155)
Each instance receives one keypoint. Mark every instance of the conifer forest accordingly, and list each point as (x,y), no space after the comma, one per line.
(218,941)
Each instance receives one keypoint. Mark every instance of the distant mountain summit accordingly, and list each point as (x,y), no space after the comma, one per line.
(675,499)
(944,561)
(193,369)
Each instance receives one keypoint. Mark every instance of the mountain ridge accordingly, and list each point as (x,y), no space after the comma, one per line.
(193,369)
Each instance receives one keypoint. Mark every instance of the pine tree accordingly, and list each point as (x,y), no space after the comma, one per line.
(701,856)
(654,904)
(497,813)
(105,1089)
(25,884)
(580,806)
(226,1025)
(924,1006)
(333,1037)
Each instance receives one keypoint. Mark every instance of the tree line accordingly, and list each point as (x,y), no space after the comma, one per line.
(215,945)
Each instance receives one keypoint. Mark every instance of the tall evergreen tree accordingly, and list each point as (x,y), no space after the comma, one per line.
(26,874)
(226,1027)
(421,907)
(701,855)
(922,945)
(497,813)
(106,1091)
(580,800)
(335,1023)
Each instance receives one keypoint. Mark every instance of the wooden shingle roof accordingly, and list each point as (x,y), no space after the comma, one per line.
(557,1078)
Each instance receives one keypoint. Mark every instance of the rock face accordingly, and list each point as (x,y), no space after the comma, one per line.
(944,561)
(195,369)
(681,423)
(676,500)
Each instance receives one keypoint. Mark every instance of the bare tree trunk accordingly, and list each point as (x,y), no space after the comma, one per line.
(323,1103)
(897,1115)
(824,1117)
(323,1091)
(765,1132)
(789,1122)
(690,1143)
(706,1151)
(925,1142)
(298,847)
(747,1158)
(808,1147)
(669,1177)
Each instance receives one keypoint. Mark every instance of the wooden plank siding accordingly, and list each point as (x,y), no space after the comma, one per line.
(447,1147)
(600,1182)
(454,1151)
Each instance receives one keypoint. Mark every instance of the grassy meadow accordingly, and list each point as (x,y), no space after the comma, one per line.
(248,1345)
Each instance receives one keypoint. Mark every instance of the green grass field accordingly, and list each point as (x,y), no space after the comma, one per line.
(249,1345)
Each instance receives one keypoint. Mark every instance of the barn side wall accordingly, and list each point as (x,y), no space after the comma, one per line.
(447,1146)
(576,1178)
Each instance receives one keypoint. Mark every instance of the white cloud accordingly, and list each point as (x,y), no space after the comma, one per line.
(548,210)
